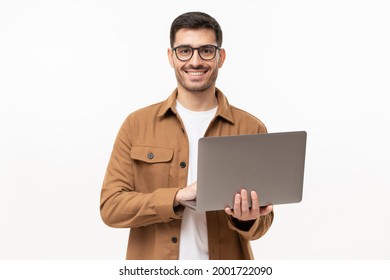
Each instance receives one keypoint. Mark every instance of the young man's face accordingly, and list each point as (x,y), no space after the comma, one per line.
(196,74)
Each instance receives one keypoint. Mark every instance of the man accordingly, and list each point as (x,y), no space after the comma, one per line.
(153,164)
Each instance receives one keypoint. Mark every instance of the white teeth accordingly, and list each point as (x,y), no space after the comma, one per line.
(195,73)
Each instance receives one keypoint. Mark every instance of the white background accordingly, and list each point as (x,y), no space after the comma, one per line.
(71,71)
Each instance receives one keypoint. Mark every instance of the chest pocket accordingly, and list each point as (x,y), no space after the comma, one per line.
(151,167)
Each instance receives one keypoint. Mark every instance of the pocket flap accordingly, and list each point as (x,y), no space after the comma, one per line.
(151,154)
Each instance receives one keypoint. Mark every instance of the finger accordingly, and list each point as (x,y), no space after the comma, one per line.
(255,203)
(244,203)
(229,211)
(266,210)
(237,206)
(193,186)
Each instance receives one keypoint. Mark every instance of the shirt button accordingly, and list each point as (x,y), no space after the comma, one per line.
(174,239)
(150,156)
(183,164)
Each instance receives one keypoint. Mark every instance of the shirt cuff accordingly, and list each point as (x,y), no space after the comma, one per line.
(247,234)
(164,198)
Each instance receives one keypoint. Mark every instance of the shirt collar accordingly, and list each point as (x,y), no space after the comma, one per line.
(224,111)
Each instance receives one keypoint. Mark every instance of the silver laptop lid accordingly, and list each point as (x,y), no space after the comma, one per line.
(272,164)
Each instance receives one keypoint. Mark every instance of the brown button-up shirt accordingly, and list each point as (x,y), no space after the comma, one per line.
(149,164)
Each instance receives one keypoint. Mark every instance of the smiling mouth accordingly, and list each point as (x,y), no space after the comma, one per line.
(196,73)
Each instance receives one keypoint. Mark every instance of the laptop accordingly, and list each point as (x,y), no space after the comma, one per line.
(272,164)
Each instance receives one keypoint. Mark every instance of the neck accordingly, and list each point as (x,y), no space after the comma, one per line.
(197,100)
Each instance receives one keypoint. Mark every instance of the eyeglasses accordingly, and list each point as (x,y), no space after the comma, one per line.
(206,52)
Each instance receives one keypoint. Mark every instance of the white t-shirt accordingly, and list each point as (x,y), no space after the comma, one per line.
(193,235)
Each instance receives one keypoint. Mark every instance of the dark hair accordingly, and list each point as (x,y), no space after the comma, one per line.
(196,20)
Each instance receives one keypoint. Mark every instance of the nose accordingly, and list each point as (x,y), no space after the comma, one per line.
(196,59)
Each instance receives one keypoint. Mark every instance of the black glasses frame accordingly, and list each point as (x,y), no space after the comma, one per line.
(193,51)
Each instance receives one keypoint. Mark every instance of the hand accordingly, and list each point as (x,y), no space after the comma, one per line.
(187,193)
(241,209)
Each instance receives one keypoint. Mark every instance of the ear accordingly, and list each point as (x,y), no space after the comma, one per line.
(170,57)
(222,56)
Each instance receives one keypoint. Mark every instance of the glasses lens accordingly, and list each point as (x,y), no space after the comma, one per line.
(207,52)
(183,53)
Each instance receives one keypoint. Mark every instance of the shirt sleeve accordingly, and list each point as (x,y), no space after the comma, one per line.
(121,205)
